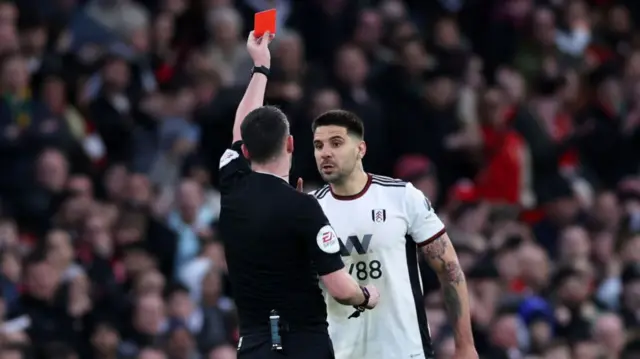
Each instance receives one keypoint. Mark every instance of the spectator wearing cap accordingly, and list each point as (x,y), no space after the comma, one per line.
(560,207)
(537,315)
(421,172)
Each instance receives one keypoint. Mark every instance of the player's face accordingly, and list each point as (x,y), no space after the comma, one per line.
(336,152)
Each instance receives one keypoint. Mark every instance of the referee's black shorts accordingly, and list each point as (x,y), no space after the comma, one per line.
(296,345)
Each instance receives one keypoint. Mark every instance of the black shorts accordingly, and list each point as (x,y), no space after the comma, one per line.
(296,345)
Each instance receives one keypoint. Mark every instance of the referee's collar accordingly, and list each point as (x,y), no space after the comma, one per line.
(274,175)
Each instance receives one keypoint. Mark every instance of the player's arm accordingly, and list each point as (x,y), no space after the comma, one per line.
(429,233)
(324,249)
(442,258)
(254,96)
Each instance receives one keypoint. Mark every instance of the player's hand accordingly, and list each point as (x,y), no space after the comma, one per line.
(258,48)
(466,353)
(374,296)
(300,185)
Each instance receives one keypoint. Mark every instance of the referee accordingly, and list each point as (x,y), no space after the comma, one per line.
(278,242)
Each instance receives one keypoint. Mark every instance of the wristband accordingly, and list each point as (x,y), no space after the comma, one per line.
(261,70)
(366,294)
(362,307)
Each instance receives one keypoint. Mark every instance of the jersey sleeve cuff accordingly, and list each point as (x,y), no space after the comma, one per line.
(437,235)
(329,268)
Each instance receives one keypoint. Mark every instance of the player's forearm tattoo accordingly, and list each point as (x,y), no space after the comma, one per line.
(435,250)
(448,270)
(453,273)
(450,275)
(452,302)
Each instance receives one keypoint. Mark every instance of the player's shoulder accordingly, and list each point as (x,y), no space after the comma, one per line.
(321,192)
(387,182)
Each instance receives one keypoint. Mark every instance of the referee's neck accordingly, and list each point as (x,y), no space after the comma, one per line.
(352,185)
(279,168)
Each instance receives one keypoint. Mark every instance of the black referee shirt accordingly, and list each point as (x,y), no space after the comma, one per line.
(275,241)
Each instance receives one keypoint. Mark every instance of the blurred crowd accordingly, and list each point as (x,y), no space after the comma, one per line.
(520,119)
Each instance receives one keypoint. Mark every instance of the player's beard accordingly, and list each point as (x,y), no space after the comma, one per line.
(340,173)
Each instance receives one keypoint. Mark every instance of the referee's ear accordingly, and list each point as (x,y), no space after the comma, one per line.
(245,152)
(289,144)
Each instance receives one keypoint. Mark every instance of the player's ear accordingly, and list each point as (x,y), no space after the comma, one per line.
(362,149)
(289,144)
(245,152)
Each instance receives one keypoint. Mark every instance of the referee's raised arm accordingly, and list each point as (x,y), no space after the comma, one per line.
(233,162)
(254,96)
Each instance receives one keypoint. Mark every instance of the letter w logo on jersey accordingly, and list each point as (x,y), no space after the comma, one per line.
(353,242)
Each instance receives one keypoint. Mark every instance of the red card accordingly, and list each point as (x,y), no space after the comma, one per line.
(264,21)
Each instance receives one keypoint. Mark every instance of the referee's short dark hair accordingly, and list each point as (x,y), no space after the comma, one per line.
(341,118)
(264,131)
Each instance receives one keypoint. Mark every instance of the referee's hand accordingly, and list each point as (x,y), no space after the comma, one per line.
(258,48)
(374,296)
(300,185)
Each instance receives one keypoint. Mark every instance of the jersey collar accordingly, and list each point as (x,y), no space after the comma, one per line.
(357,195)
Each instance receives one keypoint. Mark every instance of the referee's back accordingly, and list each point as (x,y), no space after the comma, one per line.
(270,235)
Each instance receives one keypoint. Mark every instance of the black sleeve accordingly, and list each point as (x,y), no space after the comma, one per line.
(233,166)
(321,240)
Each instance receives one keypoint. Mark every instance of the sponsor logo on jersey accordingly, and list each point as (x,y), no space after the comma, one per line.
(354,243)
(379,215)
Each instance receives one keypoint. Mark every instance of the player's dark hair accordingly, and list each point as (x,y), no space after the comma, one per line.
(264,131)
(341,118)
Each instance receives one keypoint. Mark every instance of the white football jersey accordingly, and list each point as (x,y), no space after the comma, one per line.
(380,230)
